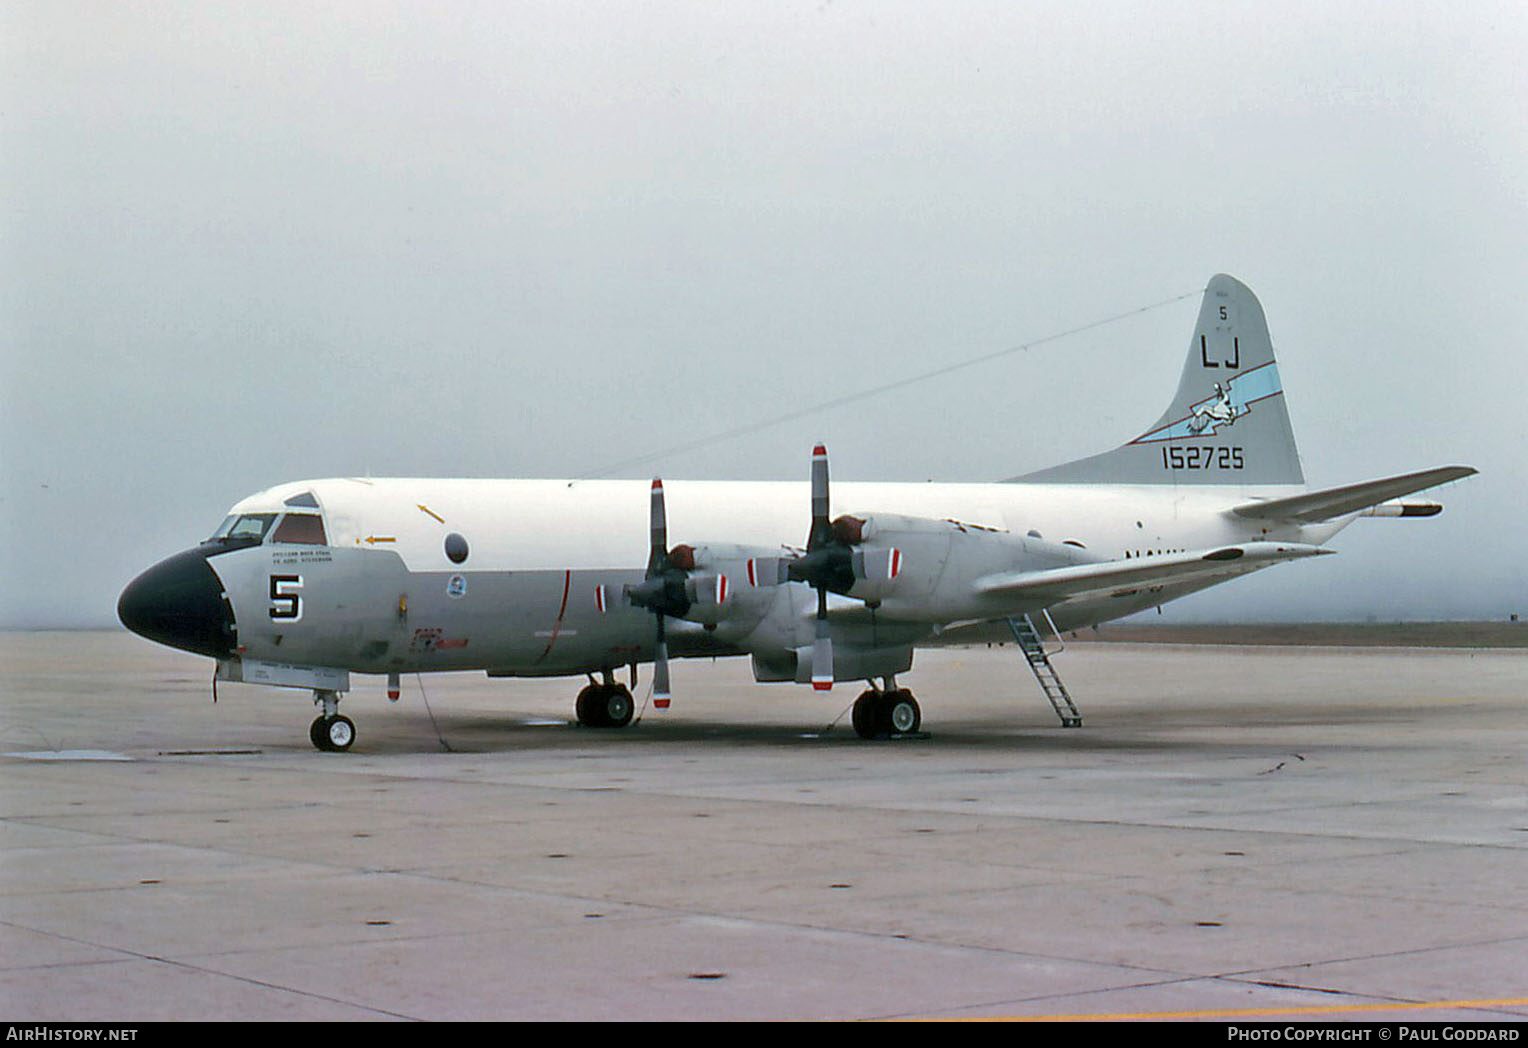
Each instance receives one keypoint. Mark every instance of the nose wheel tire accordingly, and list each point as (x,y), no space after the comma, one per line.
(332,734)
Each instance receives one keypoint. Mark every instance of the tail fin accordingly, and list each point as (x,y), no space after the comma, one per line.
(1227,423)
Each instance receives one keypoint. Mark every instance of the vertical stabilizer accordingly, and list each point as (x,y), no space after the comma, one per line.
(1227,424)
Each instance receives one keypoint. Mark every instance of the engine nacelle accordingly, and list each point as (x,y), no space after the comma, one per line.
(716,597)
(923,563)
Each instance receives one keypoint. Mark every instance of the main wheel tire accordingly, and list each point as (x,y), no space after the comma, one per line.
(605,706)
(590,707)
(903,717)
(618,707)
(866,715)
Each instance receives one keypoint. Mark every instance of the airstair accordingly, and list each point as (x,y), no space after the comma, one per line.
(1028,636)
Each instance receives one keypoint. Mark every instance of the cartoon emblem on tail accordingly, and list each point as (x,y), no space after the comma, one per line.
(1231,401)
(1218,410)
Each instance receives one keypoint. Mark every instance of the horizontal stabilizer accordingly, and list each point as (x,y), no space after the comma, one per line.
(1112,576)
(1336,502)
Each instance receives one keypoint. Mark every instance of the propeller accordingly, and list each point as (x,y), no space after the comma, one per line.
(670,588)
(662,589)
(827,565)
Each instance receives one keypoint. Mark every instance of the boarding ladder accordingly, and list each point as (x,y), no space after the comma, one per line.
(1028,636)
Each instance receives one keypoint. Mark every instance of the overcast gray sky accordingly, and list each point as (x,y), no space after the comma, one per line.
(244,244)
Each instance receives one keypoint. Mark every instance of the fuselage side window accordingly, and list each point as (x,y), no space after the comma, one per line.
(306,528)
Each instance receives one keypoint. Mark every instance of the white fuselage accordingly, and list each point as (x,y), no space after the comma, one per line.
(537,592)
(536,525)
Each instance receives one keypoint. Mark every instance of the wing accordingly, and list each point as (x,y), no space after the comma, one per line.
(1336,502)
(1103,579)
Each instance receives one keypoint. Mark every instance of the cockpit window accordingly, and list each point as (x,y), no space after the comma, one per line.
(252,526)
(245,529)
(306,528)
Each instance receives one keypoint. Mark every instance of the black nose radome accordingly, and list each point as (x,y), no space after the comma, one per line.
(179,602)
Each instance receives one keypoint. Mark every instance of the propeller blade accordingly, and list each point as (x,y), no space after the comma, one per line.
(657,557)
(655,590)
(816,568)
(822,657)
(822,528)
(661,693)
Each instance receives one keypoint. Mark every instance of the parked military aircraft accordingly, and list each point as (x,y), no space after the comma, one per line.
(306,583)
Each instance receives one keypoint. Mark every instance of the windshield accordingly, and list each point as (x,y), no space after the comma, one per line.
(245,528)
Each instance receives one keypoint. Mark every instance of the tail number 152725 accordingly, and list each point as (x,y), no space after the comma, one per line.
(1201,456)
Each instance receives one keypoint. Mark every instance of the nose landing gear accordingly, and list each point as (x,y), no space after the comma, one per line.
(331,731)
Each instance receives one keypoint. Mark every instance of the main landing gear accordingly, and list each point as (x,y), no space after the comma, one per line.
(331,731)
(606,705)
(886,713)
